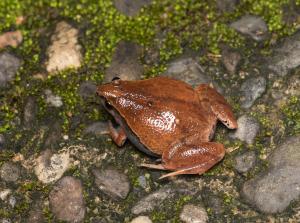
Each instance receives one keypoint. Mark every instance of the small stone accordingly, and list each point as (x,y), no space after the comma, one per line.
(12,201)
(130,7)
(10,172)
(53,136)
(193,214)
(66,200)
(5,220)
(13,38)
(64,51)
(273,190)
(244,162)
(50,167)
(36,216)
(141,219)
(227,5)
(286,56)
(87,89)
(4,194)
(142,181)
(52,99)
(293,86)
(97,129)
(125,63)
(247,130)
(9,65)
(230,60)
(252,89)
(112,182)
(30,111)
(253,26)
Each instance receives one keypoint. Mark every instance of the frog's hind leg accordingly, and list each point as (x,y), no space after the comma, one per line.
(118,134)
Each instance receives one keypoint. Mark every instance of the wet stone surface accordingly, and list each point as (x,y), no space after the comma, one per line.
(247,130)
(245,161)
(112,182)
(125,63)
(252,26)
(10,172)
(9,65)
(66,200)
(193,214)
(273,190)
(252,89)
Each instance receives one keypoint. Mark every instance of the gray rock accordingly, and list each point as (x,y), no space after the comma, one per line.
(125,63)
(231,60)
(247,130)
(273,190)
(53,100)
(189,71)
(253,26)
(216,204)
(141,219)
(30,111)
(53,136)
(97,128)
(36,216)
(9,65)
(10,172)
(293,86)
(66,200)
(142,181)
(193,214)
(64,51)
(252,89)
(287,56)
(112,182)
(227,5)
(12,201)
(130,7)
(245,161)
(2,141)
(87,89)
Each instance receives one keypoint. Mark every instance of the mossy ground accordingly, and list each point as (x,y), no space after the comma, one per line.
(169,26)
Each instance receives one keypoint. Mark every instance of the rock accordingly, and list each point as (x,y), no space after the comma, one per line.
(130,7)
(13,38)
(12,201)
(293,86)
(112,182)
(247,129)
(253,26)
(52,99)
(10,172)
(141,219)
(142,181)
(193,214)
(36,215)
(64,51)
(30,111)
(66,200)
(5,220)
(53,136)
(245,161)
(227,5)
(189,71)
(251,90)
(230,60)
(9,66)
(125,63)
(87,89)
(97,128)
(273,190)
(216,204)
(4,194)
(287,56)
(50,167)
(2,141)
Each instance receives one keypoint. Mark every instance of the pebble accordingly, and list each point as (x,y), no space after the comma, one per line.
(252,89)
(248,127)
(252,26)
(230,60)
(286,56)
(36,215)
(10,172)
(64,51)
(12,38)
(9,65)
(4,193)
(97,128)
(130,7)
(125,63)
(227,5)
(245,161)
(66,200)
(53,135)
(112,182)
(30,111)
(53,100)
(87,89)
(50,167)
(141,219)
(273,190)
(193,214)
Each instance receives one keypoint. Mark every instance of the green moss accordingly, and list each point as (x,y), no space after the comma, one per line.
(292,115)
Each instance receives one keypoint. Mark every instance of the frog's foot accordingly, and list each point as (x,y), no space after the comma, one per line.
(192,159)
(118,134)
(153,166)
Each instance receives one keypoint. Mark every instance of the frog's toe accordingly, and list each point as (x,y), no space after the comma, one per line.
(153,166)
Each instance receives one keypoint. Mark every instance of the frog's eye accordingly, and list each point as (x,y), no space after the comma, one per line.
(115,78)
(116,81)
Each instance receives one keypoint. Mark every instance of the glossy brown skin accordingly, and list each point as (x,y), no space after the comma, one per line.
(170,119)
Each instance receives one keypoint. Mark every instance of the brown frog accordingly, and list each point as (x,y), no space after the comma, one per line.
(167,118)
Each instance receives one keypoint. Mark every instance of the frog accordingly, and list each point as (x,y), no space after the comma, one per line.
(168,119)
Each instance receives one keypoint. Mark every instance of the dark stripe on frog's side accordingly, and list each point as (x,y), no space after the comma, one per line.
(129,133)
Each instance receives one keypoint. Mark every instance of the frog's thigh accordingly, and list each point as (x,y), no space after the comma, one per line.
(192,158)
(118,134)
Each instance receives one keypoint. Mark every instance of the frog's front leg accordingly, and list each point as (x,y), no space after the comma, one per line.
(117,134)
(190,157)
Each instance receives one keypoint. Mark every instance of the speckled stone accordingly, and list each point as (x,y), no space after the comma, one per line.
(244,162)
(9,65)
(10,172)
(141,219)
(193,214)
